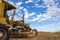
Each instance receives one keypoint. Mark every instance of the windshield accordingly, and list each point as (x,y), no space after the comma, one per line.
(9,11)
(8,15)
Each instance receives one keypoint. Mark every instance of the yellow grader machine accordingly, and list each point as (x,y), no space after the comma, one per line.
(15,28)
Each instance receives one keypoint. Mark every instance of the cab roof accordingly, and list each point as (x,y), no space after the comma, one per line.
(9,6)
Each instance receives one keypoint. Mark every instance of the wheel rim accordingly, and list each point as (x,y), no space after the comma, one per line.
(2,34)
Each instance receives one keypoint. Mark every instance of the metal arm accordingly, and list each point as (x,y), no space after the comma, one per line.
(23,18)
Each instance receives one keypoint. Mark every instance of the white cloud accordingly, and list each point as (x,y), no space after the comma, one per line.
(29,1)
(34,1)
(19,3)
(27,15)
(19,8)
(32,14)
(16,18)
(36,4)
(52,12)
(48,1)
(35,19)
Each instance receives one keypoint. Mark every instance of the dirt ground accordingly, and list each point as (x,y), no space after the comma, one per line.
(42,36)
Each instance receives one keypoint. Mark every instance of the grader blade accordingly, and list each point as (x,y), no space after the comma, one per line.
(28,34)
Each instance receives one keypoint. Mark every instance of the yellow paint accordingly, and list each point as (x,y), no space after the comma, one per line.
(4,6)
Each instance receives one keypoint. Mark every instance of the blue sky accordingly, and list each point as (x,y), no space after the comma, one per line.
(43,15)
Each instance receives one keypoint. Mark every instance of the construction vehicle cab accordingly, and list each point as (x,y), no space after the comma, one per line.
(4,21)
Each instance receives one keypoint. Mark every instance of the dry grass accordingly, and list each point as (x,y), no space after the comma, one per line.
(42,36)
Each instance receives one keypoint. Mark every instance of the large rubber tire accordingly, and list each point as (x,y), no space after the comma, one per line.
(4,33)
